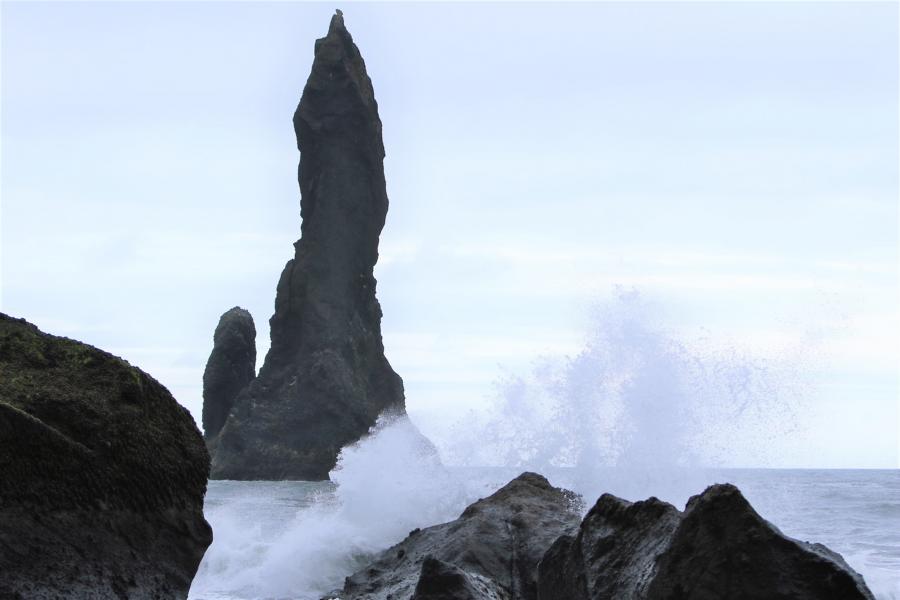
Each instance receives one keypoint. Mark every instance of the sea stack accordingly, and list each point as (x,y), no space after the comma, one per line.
(102,475)
(230,368)
(325,379)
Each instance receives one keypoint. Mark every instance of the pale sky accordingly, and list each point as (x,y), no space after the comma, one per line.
(735,163)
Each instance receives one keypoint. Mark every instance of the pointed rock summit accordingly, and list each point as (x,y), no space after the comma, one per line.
(325,379)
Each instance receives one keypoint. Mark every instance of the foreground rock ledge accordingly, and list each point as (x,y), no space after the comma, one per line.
(490,551)
(719,547)
(102,475)
(525,542)
(325,379)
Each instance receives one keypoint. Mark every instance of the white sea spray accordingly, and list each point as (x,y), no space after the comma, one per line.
(640,410)
(387,484)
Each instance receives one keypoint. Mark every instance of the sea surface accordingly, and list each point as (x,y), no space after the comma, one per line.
(298,540)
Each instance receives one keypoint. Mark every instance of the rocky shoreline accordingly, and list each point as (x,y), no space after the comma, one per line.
(527,542)
(103,474)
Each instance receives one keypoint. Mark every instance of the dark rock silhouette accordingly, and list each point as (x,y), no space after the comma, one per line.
(230,368)
(325,379)
(718,548)
(490,551)
(102,475)
(524,543)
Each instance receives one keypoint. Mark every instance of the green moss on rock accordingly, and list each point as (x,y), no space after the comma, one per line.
(103,457)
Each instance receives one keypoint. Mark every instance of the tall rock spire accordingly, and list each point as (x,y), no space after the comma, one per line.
(325,379)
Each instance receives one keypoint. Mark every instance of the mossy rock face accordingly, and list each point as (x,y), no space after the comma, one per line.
(103,474)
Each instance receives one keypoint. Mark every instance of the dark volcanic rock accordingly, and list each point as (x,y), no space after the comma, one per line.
(718,548)
(490,552)
(523,542)
(614,553)
(102,475)
(325,379)
(230,368)
(724,549)
(442,581)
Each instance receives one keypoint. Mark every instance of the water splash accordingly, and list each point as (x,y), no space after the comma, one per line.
(387,484)
(639,411)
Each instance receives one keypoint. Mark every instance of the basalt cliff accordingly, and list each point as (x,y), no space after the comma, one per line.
(325,379)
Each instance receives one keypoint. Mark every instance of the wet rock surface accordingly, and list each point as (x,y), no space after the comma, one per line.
(719,547)
(614,553)
(325,379)
(724,549)
(103,475)
(525,542)
(490,551)
(230,368)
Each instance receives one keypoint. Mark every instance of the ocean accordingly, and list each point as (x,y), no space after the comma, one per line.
(298,540)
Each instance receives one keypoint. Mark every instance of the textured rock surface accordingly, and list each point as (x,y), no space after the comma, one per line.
(442,581)
(524,542)
(103,475)
(230,368)
(490,552)
(724,549)
(614,553)
(718,548)
(325,379)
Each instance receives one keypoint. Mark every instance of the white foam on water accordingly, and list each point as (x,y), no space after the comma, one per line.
(387,484)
